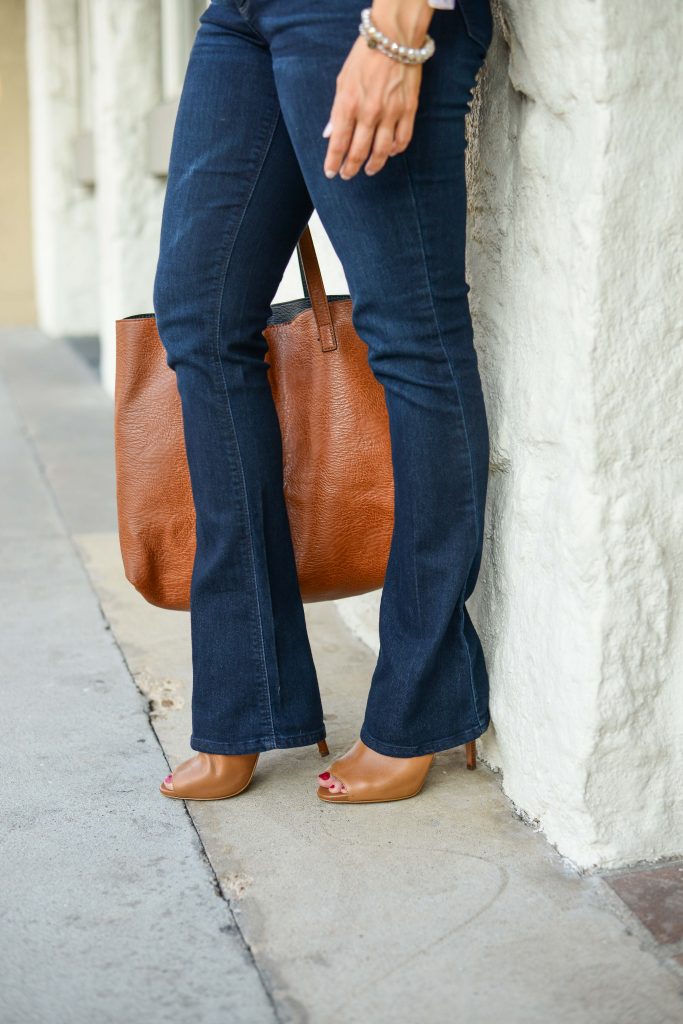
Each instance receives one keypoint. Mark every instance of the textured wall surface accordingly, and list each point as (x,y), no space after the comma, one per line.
(635,799)
(64,240)
(575,266)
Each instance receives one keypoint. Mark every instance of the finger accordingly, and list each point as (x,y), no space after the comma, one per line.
(404,132)
(382,146)
(343,124)
(361,144)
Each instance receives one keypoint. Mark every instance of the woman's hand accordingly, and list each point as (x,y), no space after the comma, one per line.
(376,99)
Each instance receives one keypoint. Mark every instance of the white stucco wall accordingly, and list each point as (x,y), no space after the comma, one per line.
(63,211)
(575,265)
(636,798)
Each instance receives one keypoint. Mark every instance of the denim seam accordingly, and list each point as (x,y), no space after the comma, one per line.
(243,8)
(219,364)
(469,659)
(443,347)
(406,164)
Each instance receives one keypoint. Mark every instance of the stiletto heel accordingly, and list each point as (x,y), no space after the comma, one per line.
(323,748)
(471,749)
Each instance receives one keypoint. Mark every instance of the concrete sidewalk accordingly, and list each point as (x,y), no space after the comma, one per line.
(118,905)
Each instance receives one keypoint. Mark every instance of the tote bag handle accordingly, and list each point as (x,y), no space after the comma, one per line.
(314,289)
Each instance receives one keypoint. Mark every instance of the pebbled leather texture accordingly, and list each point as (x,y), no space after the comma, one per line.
(371,777)
(338,476)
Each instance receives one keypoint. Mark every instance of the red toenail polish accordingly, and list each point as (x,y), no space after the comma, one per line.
(324,775)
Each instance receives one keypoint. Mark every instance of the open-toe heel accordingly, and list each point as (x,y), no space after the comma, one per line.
(211,776)
(369,777)
(216,776)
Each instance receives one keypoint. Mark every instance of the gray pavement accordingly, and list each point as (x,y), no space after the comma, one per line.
(118,905)
(109,907)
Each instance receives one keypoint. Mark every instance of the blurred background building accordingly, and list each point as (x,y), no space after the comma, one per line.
(99,103)
(17,303)
(576,147)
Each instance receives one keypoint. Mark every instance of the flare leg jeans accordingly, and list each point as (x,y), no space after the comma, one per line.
(246,172)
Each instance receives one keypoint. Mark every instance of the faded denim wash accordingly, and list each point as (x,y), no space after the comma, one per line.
(246,172)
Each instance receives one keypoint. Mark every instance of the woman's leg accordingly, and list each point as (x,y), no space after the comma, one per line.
(400,236)
(235,207)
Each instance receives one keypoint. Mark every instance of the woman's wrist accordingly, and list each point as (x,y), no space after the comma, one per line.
(405,21)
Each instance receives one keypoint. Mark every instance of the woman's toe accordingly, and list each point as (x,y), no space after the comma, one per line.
(168,782)
(336,785)
(331,782)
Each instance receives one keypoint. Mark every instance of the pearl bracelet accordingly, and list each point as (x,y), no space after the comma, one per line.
(378,41)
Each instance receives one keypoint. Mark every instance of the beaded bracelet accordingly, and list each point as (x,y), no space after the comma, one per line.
(376,40)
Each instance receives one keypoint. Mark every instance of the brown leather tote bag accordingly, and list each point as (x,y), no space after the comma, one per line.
(338,478)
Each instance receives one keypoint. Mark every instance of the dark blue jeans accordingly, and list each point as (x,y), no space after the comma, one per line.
(246,172)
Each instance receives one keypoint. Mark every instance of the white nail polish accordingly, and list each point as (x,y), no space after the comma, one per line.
(327,130)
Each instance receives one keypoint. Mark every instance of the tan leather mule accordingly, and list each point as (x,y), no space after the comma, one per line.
(372,778)
(215,776)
